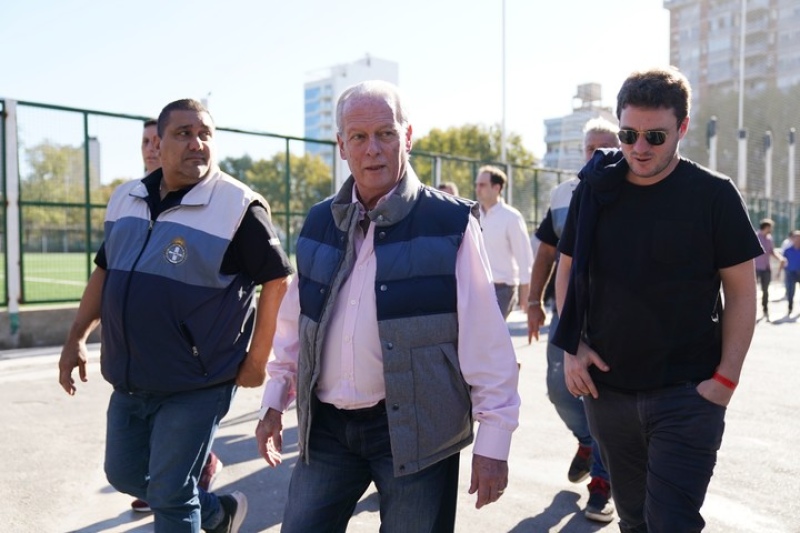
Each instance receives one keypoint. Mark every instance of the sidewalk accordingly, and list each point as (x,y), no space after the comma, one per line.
(53,451)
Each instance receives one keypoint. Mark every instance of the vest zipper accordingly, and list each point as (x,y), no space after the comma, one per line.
(187,333)
(125,305)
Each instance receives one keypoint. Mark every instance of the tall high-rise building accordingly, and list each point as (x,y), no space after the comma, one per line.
(321,94)
(706,38)
(564,135)
(722,46)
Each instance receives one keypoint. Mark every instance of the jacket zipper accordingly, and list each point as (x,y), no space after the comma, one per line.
(125,305)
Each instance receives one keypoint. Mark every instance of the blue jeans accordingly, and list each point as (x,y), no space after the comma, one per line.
(569,408)
(156,446)
(346,453)
(792,279)
(660,448)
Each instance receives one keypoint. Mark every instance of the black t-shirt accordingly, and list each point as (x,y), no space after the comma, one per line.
(654,313)
(253,250)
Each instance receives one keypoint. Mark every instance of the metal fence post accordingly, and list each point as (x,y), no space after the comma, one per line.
(12,219)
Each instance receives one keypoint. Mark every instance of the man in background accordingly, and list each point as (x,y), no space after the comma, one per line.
(506,236)
(597,133)
(763,266)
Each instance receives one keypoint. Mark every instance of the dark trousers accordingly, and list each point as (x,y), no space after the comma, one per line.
(506,297)
(347,451)
(764,278)
(660,448)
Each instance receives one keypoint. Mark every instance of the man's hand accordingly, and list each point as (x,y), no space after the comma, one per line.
(536,316)
(576,370)
(715,392)
(489,479)
(268,437)
(251,373)
(72,355)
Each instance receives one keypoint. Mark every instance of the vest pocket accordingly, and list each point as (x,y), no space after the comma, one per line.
(442,400)
(186,332)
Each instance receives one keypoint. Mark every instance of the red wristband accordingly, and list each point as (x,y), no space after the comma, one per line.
(725,381)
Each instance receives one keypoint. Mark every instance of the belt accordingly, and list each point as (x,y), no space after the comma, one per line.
(367,413)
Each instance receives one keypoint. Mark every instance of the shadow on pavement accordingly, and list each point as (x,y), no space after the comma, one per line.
(564,504)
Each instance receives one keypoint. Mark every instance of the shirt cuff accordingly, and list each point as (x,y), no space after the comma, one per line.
(275,396)
(492,442)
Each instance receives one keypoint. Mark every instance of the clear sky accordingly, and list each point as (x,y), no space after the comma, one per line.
(253,56)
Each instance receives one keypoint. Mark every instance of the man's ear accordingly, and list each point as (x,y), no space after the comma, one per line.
(340,143)
(683,128)
(408,139)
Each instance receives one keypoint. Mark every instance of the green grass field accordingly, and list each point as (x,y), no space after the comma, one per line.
(52,277)
(57,277)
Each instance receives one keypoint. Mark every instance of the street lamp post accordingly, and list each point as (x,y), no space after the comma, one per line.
(742,174)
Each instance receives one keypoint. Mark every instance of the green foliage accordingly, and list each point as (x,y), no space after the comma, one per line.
(290,186)
(57,176)
(471,141)
(307,181)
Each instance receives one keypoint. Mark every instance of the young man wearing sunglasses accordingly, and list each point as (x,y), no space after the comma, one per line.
(649,240)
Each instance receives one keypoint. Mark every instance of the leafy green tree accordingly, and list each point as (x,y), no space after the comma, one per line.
(290,186)
(57,177)
(459,143)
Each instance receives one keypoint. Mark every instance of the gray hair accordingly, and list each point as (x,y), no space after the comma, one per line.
(372,89)
(600,125)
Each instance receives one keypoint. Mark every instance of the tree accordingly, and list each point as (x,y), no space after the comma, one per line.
(57,176)
(303,180)
(470,141)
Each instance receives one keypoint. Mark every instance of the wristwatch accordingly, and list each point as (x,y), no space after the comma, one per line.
(534,303)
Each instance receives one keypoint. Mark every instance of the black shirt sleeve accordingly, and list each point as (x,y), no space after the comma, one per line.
(735,239)
(256,249)
(545,232)
(566,245)
(100,259)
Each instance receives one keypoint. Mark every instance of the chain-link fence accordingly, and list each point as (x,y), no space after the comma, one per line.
(69,160)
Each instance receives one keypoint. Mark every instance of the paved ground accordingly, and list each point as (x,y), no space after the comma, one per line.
(53,452)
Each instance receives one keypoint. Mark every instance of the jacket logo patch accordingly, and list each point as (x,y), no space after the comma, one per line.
(176,251)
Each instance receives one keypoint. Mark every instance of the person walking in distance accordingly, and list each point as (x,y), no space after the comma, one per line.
(763,267)
(185,248)
(650,239)
(597,133)
(506,238)
(792,273)
(379,343)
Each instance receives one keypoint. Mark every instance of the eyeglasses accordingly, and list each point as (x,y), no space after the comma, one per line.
(653,137)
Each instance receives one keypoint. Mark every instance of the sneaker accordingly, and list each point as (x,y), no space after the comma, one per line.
(212,467)
(599,508)
(140,506)
(581,463)
(235,507)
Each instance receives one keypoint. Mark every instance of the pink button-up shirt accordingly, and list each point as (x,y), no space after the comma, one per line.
(352,362)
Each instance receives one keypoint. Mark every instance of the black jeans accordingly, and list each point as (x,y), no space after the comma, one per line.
(764,278)
(660,448)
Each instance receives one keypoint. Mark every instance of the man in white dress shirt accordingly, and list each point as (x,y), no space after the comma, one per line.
(506,238)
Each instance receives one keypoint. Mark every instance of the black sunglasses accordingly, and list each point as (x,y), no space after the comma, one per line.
(653,137)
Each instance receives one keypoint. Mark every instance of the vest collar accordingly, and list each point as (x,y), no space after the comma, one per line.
(391,211)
